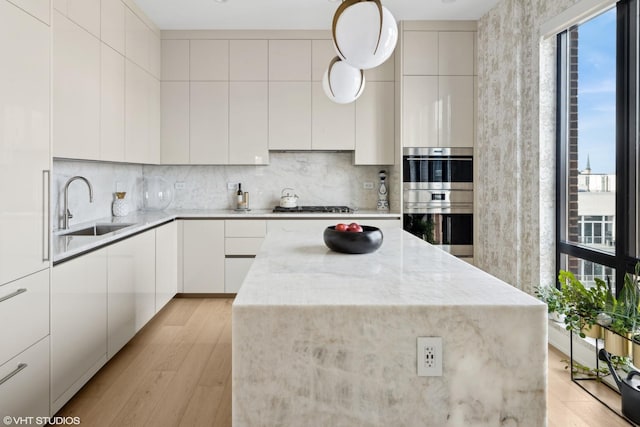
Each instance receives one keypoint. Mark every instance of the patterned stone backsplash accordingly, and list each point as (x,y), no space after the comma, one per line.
(318,178)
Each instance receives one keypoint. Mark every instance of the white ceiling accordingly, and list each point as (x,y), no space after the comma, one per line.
(293,14)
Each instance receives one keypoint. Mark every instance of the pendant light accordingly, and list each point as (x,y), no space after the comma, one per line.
(342,83)
(364,33)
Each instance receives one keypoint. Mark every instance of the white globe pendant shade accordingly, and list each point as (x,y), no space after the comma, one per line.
(365,33)
(342,83)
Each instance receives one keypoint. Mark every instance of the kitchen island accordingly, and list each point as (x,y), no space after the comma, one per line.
(322,338)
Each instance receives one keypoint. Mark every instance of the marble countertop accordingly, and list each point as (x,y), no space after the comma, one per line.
(64,247)
(295,268)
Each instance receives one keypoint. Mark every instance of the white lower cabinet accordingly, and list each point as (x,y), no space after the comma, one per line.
(24,383)
(166,263)
(235,270)
(130,288)
(242,242)
(24,353)
(203,256)
(24,304)
(78,324)
(100,300)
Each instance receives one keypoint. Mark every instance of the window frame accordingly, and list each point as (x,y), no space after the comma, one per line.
(627,162)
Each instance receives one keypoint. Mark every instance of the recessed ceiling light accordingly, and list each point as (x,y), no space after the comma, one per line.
(221,1)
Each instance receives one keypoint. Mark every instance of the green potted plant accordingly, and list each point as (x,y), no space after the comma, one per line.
(554,300)
(582,305)
(623,312)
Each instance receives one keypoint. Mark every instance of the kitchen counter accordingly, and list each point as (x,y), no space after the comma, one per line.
(65,247)
(323,338)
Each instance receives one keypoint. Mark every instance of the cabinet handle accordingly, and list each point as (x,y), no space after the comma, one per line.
(46,217)
(20,367)
(13,294)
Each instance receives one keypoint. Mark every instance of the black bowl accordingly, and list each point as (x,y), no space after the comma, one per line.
(349,242)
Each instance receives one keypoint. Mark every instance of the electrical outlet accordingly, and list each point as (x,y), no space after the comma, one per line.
(368,185)
(429,355)
(180,185)
(232,185)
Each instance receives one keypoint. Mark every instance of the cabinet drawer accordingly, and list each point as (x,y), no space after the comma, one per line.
(24,310)
(245,228)
(242,245)
(24,388)
(235,270)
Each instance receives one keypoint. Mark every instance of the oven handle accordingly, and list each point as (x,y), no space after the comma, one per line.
(442,209)
(425,158)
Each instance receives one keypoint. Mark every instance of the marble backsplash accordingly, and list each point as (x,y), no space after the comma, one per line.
(318,178)
(105,178)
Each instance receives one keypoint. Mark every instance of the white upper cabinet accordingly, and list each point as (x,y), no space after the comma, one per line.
(155,53)
(112,105)
(136,40)
(375,125)
(248,123)
(289,115)
(420,111)
(209,123)
(175,123)
(457,119)
(76,91)
(85,13)
(37,8)
(289,60)
(333,125)
(322,52)
(456,55)
(248,60)
(175,60)
(382,73)
(209,60)
(136,114)
(112,24)
(142,115)
(438,87)
(24,142)
(420,56)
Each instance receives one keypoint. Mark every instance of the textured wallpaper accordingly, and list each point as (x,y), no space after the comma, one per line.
(514,154)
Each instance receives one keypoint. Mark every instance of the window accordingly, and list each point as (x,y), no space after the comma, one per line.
(596,146)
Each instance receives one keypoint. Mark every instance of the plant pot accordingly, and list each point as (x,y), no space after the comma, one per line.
(616,344)
(636,354)
(593,331)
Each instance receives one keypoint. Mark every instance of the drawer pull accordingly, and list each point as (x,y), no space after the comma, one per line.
(20,367)
(13,294)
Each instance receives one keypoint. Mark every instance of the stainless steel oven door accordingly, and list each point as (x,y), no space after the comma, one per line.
(452,232)
(437,201)
(438,168)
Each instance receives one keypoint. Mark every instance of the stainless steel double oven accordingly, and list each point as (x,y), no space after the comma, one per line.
(438,197)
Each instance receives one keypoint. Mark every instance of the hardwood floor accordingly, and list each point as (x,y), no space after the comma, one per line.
(177,372)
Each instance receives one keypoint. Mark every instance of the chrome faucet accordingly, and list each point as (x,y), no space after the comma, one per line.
(67,215)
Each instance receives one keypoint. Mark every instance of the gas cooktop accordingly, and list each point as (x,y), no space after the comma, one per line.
(314,209)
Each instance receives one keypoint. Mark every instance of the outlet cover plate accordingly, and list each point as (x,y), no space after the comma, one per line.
(429,356)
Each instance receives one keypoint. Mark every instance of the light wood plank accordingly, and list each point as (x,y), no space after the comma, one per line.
(177,372)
